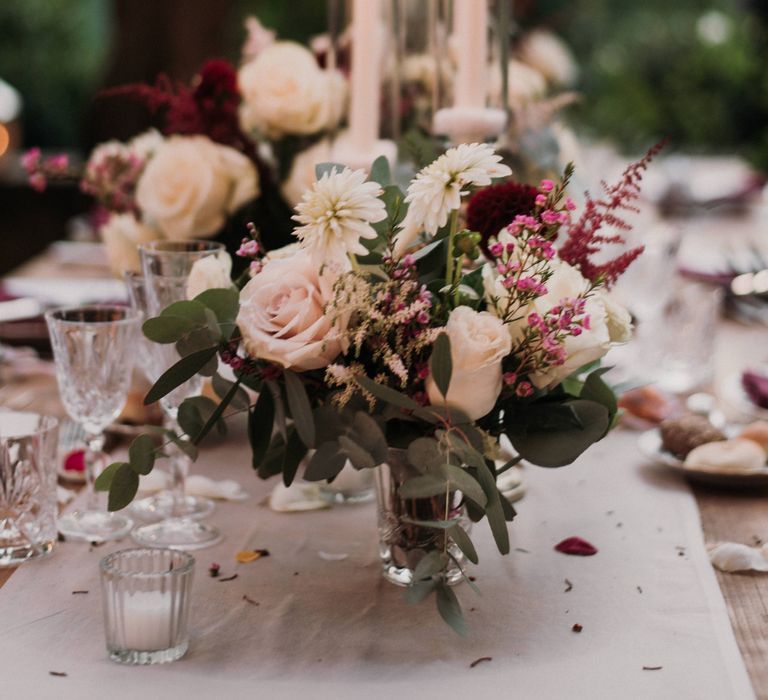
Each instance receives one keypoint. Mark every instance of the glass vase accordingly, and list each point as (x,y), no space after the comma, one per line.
(403,544)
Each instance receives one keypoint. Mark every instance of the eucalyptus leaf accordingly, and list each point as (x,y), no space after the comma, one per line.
(494,511)
(359,456)
(261,419)
(435,524)
(123,487)
(419,590)
(327,168)
(459,535)
(295,451)
(367,433)
(186,368)
(429,565)
(386,394)
(461,480)
(167,329)
(301,410)
(449,608)
(193,414)
(441,364)
(141,454)
(223,386)
(197,339)
(225,303)
(468,454)
(380,171)
(326,463)
(104,480)
(595,389)
(423,486)
(425,454)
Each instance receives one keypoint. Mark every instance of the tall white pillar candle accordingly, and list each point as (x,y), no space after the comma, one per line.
(470,30)
(366,75)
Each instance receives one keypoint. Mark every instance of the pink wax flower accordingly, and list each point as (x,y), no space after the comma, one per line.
(524,389)
(546,185)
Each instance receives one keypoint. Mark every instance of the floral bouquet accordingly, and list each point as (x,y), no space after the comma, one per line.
(225,155)
(392,337)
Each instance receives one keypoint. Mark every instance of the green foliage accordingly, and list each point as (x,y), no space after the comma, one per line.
(441,364)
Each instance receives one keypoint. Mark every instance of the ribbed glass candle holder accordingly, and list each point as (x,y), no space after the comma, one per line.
(145,593)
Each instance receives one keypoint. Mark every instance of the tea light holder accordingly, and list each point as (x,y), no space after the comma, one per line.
(145,594)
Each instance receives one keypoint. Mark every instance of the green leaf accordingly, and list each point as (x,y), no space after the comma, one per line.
(141,454)
(272,463)
(595,389)
(167,329)
(440,363)
(261,419)
(186,368)
(494,510)
(122,489)
(435,524)
(419,590)
(295,451)
(461,480)
(225,303)
(509,511)
(429,565)
(367,433)
(424,453)
(198,339)
(326,463)
(104,480)
(380,171)
(459,535)
(360,458)
(300,408)
(423,486)
(327,168)
(449,608)
(386,394)
(194,413)
(556,447)
(223,386)
(468,454)
(216,418)
(184,445)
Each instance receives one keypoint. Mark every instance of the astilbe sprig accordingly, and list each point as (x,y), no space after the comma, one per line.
(585,238)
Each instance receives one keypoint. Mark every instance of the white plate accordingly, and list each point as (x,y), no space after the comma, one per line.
(650,445)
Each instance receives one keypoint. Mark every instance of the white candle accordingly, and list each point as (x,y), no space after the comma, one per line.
(470,29)
(366,75)
(146,621)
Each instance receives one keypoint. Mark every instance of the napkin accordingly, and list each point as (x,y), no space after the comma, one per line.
(197,485)
(732,556)
(299,496)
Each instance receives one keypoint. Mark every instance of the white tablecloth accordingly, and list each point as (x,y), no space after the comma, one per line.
(335,629)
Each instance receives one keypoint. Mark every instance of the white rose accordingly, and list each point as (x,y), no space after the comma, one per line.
(608,321)
(192,184)
(122,235)
(286,92)
(479,342)
(282,314)
(550,56)
(210,272)
(302,175)
(146,144)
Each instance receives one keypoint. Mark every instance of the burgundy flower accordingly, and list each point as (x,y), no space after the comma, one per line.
(494,207)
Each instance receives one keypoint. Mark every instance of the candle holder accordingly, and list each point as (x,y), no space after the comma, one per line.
(145,594)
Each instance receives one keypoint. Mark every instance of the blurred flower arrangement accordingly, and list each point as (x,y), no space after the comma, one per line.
(390,335)
(225,146)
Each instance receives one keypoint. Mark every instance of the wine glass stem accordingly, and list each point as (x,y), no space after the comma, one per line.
(94,445)
(179,470)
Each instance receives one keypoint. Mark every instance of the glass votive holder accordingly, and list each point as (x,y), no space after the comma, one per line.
(28,444)
(145,594)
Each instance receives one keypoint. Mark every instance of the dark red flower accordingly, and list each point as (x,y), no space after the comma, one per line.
(576,546)
(494,207)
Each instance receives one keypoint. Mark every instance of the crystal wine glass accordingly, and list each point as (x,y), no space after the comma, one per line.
(166,266)
(153,359)
(93,347)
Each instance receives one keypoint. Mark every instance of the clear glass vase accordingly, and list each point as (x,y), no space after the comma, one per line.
(403,544)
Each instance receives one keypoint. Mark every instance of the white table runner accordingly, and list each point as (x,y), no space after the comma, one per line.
(334,629)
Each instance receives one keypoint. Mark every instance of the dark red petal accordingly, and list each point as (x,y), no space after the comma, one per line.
(75,461)
(577,547)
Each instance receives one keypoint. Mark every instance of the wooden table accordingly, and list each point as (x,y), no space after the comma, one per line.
(725,516)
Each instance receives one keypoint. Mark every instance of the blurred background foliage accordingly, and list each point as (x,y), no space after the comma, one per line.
(694,70)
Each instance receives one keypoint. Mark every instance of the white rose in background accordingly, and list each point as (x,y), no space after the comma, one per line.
(550,56)
(257,38)
(286,92)
(525,83)
(146,144)
(122,235)
(479,342)
(302,175)
(210,272)
(282,314)
(192,184)
(609,322)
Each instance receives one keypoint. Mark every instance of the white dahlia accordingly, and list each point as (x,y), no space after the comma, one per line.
(437,189)
(336,213)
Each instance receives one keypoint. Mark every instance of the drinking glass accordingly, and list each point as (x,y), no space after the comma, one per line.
(93,347)
(28,445)
(145,595)
(153,360)
(166,266)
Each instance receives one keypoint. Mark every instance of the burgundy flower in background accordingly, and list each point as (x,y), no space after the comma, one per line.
(492,208)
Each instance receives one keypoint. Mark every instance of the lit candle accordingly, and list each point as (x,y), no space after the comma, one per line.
(366,75)
(147,617)
(470,28)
